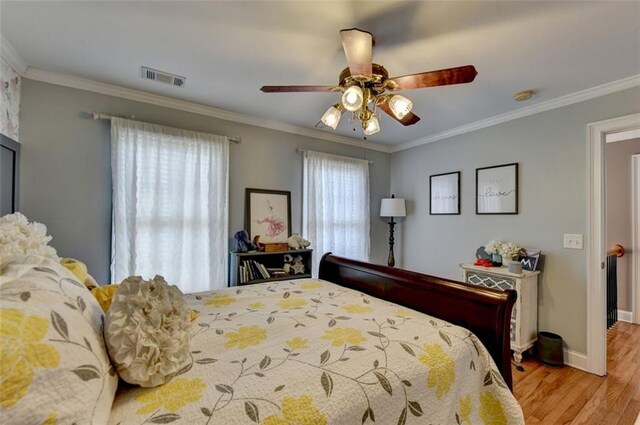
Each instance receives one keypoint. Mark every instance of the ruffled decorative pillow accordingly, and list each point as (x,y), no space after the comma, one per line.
(55,367)
(147,331)
(18,236)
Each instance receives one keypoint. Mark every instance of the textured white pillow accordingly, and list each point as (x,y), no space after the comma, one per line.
(55,365)
(147,331)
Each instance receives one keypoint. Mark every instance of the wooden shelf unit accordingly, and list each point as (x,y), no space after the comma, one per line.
(269,260)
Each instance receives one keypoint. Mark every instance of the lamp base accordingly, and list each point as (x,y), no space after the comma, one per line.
(391,261)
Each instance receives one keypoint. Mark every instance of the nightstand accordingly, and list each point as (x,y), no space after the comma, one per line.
(524,316)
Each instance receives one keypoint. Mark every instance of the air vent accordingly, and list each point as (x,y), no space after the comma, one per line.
(163,77)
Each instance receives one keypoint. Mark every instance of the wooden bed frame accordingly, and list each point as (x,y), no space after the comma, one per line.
(485,312)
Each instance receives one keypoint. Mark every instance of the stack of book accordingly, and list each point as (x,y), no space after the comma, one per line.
(252,270)
(276,272)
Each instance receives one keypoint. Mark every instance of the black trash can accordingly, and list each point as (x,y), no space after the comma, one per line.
(549,349)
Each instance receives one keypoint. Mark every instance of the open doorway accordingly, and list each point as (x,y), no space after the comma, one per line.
(621,216)
(612,131)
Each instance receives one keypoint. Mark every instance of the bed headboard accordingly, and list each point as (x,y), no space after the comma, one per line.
(485,312)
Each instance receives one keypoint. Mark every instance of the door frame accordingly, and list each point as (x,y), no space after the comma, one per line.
(635,238)
(596,250)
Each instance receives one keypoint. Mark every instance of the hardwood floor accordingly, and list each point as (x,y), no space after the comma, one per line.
(569,396)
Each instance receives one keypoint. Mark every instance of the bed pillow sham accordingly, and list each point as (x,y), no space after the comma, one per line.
(54,367)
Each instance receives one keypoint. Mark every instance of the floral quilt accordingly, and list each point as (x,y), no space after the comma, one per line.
(312,352)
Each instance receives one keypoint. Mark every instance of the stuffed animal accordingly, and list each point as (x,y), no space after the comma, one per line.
(243,244)
(297,242)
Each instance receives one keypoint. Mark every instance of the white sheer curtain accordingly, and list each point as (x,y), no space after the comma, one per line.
(336,206)
(170,205)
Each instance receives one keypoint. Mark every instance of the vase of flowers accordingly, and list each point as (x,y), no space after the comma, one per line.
(494,247)
(508,251)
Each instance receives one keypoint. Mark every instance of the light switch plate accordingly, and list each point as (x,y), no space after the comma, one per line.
(573,241)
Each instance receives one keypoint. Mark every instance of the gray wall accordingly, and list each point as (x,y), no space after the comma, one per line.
(551,150)
(65,176)
(618,191)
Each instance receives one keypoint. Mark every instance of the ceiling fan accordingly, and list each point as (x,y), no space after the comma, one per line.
(366,86)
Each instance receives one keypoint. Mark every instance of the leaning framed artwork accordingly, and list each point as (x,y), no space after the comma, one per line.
(497,189)
(268,214)
(444,194)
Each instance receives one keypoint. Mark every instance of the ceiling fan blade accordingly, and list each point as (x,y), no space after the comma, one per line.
(408,119)
(357,45)
(296,89)
(442,77)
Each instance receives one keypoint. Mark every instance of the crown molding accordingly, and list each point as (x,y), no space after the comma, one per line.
(12,57)
(196,108)
(559,102)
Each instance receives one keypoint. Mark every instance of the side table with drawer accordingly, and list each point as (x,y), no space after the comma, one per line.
(524,317)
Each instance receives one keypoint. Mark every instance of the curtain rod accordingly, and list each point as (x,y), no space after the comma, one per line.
(103,116)
(300,150)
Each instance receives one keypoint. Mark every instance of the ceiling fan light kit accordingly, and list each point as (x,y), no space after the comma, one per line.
(400,106)
(331,118)
(366,86)
(353,98)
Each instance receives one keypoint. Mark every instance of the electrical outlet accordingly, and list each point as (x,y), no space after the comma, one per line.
(573,241)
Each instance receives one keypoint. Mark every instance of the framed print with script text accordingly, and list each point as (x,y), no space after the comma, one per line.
(497,189)
(444,194)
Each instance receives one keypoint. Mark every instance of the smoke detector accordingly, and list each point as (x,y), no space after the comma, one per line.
(163,77)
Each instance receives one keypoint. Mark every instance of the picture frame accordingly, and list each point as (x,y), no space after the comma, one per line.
(444,194)
(530,259)
(497,189)
(268,214)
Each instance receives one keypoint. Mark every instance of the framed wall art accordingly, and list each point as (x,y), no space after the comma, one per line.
(497,189)
(268,214)
(444,194)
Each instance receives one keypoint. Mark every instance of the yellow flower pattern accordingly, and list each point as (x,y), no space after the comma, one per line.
(441,368)
(357,308)
(465,409)
(52,419)
(491,411)
(402,312)
(291,303)
(21,352)
(297,411)
(297,343)
(245,337)
(171,396)
(220,300)
(341,336)
(309,286)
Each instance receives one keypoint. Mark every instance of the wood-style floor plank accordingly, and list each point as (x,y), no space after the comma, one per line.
(569,396)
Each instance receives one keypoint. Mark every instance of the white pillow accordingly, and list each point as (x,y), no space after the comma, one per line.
(55,366)
(147,331)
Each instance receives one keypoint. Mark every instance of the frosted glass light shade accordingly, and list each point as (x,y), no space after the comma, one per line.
(392,207)
(331,118)
(372,127)
(352,98)
(400,106)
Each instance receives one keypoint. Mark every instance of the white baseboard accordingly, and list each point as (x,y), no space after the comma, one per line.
(575,359)
(625,316)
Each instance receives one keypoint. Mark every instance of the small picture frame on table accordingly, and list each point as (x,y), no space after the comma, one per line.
(444,194)
(268,215)
(497,189)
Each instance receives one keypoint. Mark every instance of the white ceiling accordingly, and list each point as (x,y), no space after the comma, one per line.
(227,50)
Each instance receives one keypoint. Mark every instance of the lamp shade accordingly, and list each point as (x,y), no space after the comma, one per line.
(392,207)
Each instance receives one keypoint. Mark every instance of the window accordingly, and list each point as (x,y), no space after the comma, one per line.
(170,196)
(336,206)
